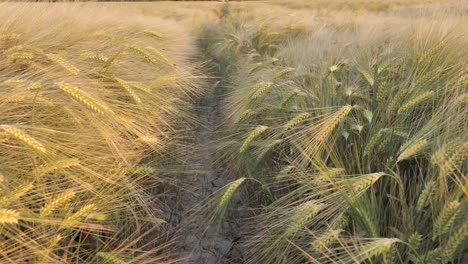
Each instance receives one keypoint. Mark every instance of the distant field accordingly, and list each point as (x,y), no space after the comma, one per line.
(241,132)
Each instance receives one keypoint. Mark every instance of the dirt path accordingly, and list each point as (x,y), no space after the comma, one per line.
(218,244)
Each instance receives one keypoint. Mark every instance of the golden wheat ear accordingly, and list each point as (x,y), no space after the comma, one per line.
(23,137)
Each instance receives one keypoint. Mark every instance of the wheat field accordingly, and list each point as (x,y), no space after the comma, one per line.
(285,131)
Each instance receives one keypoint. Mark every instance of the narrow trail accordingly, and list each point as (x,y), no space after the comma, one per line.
(218,243)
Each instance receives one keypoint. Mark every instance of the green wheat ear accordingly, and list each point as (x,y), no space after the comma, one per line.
(446,218)
(411,149)
(233,186)
(254,134)
(260,89)
(111,258)
(296,120)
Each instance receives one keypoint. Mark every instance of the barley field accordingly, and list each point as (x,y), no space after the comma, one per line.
(283,131)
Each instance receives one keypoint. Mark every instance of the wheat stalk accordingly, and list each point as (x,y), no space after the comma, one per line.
(111,258)
(382,92)
(82,213)
(129,90)
(159,54)
(414,241)
(65,64)
(260,89)
(95,56)
(330,124)
(425,194)
(54,204)
(429,55)
(446,218)
(296,120)
(282,72)
(365,181)
(8,216)
(378,246)
(57,165)
(284,172)
(142,53)
(416,101)
(460,153)
(9,37)
(288,98)
(84,98)
(233,186)
(154,34)
(268,148)
(18,192)
(254,134)
(367,76)
(412,149)
(455,240)
(140,86)
(23,137)
(301,215)
(325,240)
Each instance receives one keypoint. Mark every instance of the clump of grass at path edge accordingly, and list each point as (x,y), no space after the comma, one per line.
(84,99)
(357,140)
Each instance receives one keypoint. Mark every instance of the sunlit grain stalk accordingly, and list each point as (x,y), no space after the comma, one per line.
(16,194)
(154,34)
(365,181)
(56,165)
(9,216)
(84,98)
(8,37)
(332,122)
(301,215)
(56,203)
(65,64)
(140,86)
(23,137)
(296,120)
(129,90)
(142,53)
(79,215)
(97,57)
(160,55)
